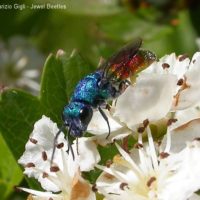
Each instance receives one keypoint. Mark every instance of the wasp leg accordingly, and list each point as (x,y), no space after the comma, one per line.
(106,119)
(116,92)
(123,85)
(121,88)
(77,150)
(69,148)
(105,105)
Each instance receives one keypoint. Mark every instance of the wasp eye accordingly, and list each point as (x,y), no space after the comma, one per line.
(86,115)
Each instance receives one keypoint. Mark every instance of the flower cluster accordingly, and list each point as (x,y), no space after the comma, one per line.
(63,174)
(161,111)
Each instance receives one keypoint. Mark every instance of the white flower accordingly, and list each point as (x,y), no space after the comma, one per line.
(151,173)
(88,154)
(186,115)
(20,64)
(62,180)
(151,98)
(187,73)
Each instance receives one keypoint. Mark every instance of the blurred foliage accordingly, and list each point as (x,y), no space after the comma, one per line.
(96,28)
(10,173)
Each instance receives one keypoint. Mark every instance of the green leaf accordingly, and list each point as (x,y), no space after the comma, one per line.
(18,112)
(53,88)
(10,173)
(74,68)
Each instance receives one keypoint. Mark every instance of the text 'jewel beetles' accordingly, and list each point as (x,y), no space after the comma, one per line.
(106,83)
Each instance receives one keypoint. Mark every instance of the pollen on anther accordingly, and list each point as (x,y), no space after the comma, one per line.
(141,129)
(108,163)
(45,175)
(164,155)
(197,139)
(54,169)
(44,155)
(123,185)
(59,146)
(183,57)
(94,188)
(165,66)
(158,142)
(146,123)
(150,181)
(34,141)
(171,121)
(138,145)
(109,176)
(29,165)
(180,82)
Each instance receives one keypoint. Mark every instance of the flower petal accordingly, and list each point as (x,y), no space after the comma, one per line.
(184,116)
(81,189)
(107,184)
(151,98)
(194,197)
(170,64)
(36,158)
(186,178)
(98,125)
(88,155)
(46,195)
(182,134)
(99,128)
(190,96)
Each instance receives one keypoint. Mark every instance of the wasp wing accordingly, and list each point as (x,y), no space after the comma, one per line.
(115,66)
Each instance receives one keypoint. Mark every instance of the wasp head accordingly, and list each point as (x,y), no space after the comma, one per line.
(77,116)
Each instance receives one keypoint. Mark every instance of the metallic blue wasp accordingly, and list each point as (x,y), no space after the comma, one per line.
(106,83)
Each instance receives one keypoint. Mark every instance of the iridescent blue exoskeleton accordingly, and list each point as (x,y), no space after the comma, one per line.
(106,83)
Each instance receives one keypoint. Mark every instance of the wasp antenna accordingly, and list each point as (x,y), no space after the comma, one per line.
(77,151)
(69,143)
(55,142)
(106,119)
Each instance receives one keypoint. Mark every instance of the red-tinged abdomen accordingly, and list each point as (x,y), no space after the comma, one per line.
(125,70)
(135,63)
(138,62)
